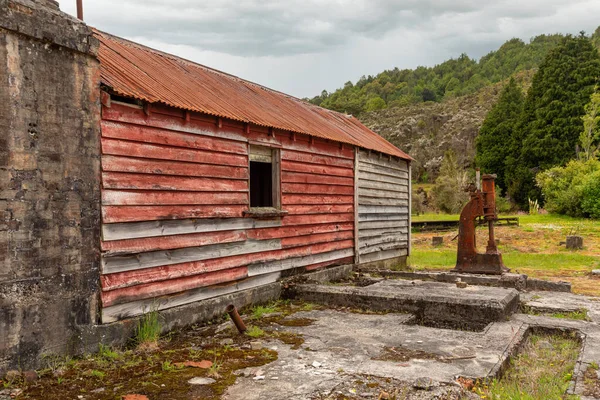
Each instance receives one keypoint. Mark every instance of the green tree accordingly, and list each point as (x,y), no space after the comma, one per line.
(551,121)
(589,135)
(496,134)
(375,103)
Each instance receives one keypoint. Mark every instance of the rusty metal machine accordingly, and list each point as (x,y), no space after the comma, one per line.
(481,205)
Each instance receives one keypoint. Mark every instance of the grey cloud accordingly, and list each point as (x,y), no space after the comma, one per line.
(263,28)
(304,46)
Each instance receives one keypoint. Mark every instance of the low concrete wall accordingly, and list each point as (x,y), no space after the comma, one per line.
(396,263)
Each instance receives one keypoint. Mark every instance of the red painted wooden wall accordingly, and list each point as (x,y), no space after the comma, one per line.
(175,186)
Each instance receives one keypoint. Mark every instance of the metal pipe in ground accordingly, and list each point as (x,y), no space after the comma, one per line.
(235,317)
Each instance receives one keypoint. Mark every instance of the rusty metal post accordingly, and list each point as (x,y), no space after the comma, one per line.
(482,204)
(80,9)
(489,210)
(235,317)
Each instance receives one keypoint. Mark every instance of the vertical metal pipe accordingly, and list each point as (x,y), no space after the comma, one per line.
(80,9)
(478,178)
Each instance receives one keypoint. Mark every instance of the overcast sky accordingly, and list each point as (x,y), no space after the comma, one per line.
(304,46)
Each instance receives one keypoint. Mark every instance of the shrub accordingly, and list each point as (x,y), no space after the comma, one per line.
(563,187)
(418,202)
(590,202)
(503,205)
(448,192)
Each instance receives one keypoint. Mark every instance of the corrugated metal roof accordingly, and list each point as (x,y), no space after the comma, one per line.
(136,71)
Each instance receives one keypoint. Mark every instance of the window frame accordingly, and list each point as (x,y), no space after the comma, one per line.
(275,156)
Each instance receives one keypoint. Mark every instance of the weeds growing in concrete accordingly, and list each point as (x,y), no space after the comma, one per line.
(580,314)
(543,370)
(259,311)
(255,332)
(148,330)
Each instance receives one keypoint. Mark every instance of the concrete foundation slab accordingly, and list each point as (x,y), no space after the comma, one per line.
(347,347)
(431,303)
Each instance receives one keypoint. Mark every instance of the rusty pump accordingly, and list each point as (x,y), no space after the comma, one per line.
(482,204)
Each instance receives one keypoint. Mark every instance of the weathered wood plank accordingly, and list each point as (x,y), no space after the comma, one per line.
(393,187)
(356,207)
(162,288)
(134,230)
(382,247)
(146,197)
(316,219)
(378,201)
(171,242)
(318,146)
(311,158)
(383,161)
(294,166)
(373,177)
(319,209)
(316,179)
(297,230)
(375,169)
(119,130)
(366,233)
(384,239)
(298,177)
(119,180)
(154,151)
(147,275)
(299,199)
(296,241)
(161,167)
(383,255)
(289,263)
(384,194)
(410,210)
(383,217)
(300,188)
(129,115)
(114,214)
(159,258)
(123,311)
(370,209)
(382,224)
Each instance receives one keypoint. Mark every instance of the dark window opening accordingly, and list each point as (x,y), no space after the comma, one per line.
(261,184)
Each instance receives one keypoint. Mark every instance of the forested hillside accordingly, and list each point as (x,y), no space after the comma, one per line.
(450,79)
(430,110)
(427,130)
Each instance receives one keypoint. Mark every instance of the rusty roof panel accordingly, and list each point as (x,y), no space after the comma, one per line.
(133,70)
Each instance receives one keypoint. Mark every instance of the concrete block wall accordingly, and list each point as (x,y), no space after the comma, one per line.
(49,181)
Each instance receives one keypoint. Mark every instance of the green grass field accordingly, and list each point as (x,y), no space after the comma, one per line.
(532,248)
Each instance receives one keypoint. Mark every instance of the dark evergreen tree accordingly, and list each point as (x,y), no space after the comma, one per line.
(551,121)
(497,131)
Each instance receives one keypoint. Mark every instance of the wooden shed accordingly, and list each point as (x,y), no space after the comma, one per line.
(212,184)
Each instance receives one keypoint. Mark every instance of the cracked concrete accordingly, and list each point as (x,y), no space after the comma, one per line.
(342,352)
(346,345)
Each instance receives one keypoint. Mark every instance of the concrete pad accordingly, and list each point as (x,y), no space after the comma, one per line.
(432,303)
(589,331)
(348,346)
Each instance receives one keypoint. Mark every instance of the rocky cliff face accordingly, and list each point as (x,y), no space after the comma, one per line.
(427,130)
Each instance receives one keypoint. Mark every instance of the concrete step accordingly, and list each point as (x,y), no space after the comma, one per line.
(431,303)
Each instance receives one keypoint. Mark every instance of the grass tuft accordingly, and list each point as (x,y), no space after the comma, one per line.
(259,311)
(148,330)
(255,332)
(107,353)
(581,315)
(543,370)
